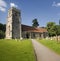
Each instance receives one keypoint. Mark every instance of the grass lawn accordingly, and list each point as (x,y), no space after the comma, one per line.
(11,50)
(53,45)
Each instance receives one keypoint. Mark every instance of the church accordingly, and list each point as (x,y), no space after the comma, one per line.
(16,30)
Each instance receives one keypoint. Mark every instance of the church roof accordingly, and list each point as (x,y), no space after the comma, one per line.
(32,29)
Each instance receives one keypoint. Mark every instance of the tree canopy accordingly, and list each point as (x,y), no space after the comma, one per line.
(35,23)
(2,30)
(57,29)
(53,29)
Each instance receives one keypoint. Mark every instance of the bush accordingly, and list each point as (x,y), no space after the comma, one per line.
(2,34)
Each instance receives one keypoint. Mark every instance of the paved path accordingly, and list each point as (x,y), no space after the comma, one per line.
(43,53)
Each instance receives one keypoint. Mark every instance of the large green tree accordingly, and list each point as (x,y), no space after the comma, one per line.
(35,23)
(51,28)
(57,31)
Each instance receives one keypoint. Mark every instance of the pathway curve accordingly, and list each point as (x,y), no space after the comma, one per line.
(43,53)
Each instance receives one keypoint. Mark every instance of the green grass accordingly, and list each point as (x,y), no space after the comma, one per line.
(53,45)
(11,50)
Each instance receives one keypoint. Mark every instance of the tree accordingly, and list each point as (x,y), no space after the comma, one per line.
(57,29)
(2,34)
(2,30)
(51,28)
(35,23)
(3,27)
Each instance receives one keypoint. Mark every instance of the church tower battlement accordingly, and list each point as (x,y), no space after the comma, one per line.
(13,25)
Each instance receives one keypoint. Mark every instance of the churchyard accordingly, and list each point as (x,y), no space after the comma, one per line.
(16,50)
(52,44)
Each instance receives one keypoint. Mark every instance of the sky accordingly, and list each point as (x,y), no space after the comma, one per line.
(44,10)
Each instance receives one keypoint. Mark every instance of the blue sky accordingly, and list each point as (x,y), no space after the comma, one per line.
(44,10)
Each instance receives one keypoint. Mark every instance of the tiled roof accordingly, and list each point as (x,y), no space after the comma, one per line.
(32,29)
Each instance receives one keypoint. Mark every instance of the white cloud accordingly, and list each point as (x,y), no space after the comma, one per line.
(56,4)
(2,9)
(13,5)
(3,5)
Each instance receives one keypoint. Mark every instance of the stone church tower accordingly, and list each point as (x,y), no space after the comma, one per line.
(13,26)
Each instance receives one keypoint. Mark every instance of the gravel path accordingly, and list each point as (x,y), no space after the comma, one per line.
(43,53)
